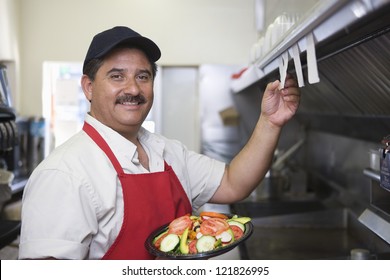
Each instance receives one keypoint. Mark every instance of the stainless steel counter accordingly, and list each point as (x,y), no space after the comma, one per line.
(299,244)
(299,230)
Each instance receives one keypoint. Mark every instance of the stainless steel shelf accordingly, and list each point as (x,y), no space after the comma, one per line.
(326,19)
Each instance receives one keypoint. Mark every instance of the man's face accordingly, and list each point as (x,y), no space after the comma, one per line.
(122,93)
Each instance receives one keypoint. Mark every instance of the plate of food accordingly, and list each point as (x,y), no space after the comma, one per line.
(199,237)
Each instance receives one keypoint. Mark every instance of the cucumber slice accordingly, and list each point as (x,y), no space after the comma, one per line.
(225,236)
(242,220)
(205,243)
(158,236)
(235,223)
(169,243)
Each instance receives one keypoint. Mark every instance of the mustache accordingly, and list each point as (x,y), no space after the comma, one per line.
(130,98)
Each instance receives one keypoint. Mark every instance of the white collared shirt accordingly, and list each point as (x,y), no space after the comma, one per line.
(72,203)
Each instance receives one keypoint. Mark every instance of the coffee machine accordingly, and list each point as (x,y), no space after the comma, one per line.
(7,142)
(29,149)
(10,139)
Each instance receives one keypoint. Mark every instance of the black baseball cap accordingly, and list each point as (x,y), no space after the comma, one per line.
(105,41)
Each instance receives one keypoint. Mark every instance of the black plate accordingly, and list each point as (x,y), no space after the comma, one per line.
(205,255)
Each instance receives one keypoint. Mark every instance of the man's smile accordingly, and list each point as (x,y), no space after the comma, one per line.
(130,100)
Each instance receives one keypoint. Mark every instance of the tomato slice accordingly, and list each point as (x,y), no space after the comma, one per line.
(213,226)
(213,215)
(158,241)
(237,232)
(178,225)
(192,247)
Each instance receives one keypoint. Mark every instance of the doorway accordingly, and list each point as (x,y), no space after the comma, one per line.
(179,101)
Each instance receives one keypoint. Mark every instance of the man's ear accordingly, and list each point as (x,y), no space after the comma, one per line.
(86,85)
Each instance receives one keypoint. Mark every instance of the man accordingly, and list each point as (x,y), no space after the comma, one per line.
(100,194)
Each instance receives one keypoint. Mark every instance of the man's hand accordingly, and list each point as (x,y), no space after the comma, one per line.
(279,106)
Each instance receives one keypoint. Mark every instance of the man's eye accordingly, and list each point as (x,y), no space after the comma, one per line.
(116,77)
(144,77)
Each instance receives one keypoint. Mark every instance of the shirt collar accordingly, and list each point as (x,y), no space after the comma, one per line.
(125,151)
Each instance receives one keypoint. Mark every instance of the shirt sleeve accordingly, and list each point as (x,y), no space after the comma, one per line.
(58,217)
(205,175)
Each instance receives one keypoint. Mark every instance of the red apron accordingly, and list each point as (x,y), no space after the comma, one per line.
(150,201)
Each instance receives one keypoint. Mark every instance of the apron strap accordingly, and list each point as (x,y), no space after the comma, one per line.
(98,139)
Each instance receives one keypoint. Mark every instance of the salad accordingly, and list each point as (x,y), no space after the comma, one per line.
(197,234)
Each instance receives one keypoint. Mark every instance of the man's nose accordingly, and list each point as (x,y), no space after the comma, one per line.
(132,86)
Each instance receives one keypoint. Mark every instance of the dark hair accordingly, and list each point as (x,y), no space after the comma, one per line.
(93,66)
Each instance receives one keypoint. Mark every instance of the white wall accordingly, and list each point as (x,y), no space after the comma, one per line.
(189,32)
(9,47)
(7,30)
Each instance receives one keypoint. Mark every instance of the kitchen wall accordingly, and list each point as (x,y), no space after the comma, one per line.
(9,37)
(188,33)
